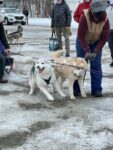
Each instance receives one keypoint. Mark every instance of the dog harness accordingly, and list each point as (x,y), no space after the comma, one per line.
(47,80)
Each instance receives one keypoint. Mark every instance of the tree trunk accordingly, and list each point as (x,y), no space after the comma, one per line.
(48,8)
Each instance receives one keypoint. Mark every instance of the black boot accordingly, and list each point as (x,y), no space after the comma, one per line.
(111,65)
(97,94)
(3,81)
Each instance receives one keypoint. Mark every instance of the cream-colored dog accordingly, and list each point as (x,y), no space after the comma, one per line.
(71,69)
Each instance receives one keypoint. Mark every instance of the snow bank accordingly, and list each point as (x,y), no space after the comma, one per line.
(46,22)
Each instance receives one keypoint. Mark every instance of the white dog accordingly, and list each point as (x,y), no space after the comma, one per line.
(64,68)
(42,75)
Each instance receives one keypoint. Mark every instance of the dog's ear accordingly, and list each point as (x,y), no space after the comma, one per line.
(48,61)
(32,69)
(20,29)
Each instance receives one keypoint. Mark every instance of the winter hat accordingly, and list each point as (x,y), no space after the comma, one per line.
(97,6)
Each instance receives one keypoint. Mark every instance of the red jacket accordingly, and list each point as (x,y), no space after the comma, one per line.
(79,10)
(82,30)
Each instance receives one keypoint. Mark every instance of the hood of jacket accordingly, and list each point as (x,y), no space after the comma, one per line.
(87,2)
(63,1)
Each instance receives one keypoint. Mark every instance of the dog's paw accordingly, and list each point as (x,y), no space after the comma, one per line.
(84,95)
(30,93)
(63,95)
(72,97)
(51,98)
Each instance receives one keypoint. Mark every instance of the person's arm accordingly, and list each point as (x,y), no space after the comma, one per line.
(82,30)
(68,15)
(3,37)
(104,36)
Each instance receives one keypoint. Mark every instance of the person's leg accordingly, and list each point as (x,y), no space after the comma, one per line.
(67,42)
(27,19)
(96,75)
(2,66)
(79,50)
(59,37)
(110,43)
(80,53)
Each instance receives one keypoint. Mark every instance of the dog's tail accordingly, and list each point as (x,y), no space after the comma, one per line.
(58,54)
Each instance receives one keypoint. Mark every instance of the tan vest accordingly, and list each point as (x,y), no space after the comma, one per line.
(94,29)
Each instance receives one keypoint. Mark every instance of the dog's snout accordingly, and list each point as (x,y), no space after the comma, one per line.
(74,74)
(38,67)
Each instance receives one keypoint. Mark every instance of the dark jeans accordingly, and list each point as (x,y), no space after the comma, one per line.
(2,66)
(95,68)
(110,42)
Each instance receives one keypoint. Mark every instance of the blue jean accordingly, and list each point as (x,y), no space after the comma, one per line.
(2,66)
(95,68)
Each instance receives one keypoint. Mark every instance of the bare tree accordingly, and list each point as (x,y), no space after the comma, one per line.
(42,8)
(48,6)
(37,2)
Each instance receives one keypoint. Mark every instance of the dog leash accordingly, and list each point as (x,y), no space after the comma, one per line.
(16,44)
(92,71)
(69,65)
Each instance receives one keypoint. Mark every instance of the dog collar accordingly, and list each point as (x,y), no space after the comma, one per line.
(47,80)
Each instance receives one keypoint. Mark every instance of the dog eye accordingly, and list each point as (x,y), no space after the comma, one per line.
(43,63)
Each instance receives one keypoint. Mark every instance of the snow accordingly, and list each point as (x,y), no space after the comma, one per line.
(47,22)
(33,123)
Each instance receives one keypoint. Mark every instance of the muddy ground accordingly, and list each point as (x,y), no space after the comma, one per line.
(34,123)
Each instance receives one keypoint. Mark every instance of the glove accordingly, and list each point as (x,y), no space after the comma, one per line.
(68,30)
(93,56)
(7,51)
(53,29)
(88,56)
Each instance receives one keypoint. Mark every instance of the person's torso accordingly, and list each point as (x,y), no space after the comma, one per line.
(94,29)
(60,15)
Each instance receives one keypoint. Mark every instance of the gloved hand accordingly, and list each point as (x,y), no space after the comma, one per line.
(53,29)
(88,56)
(7,51)
(93,56)
(68,30)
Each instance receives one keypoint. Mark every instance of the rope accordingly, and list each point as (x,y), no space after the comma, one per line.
(92,71)
(16,43)
(68,65)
